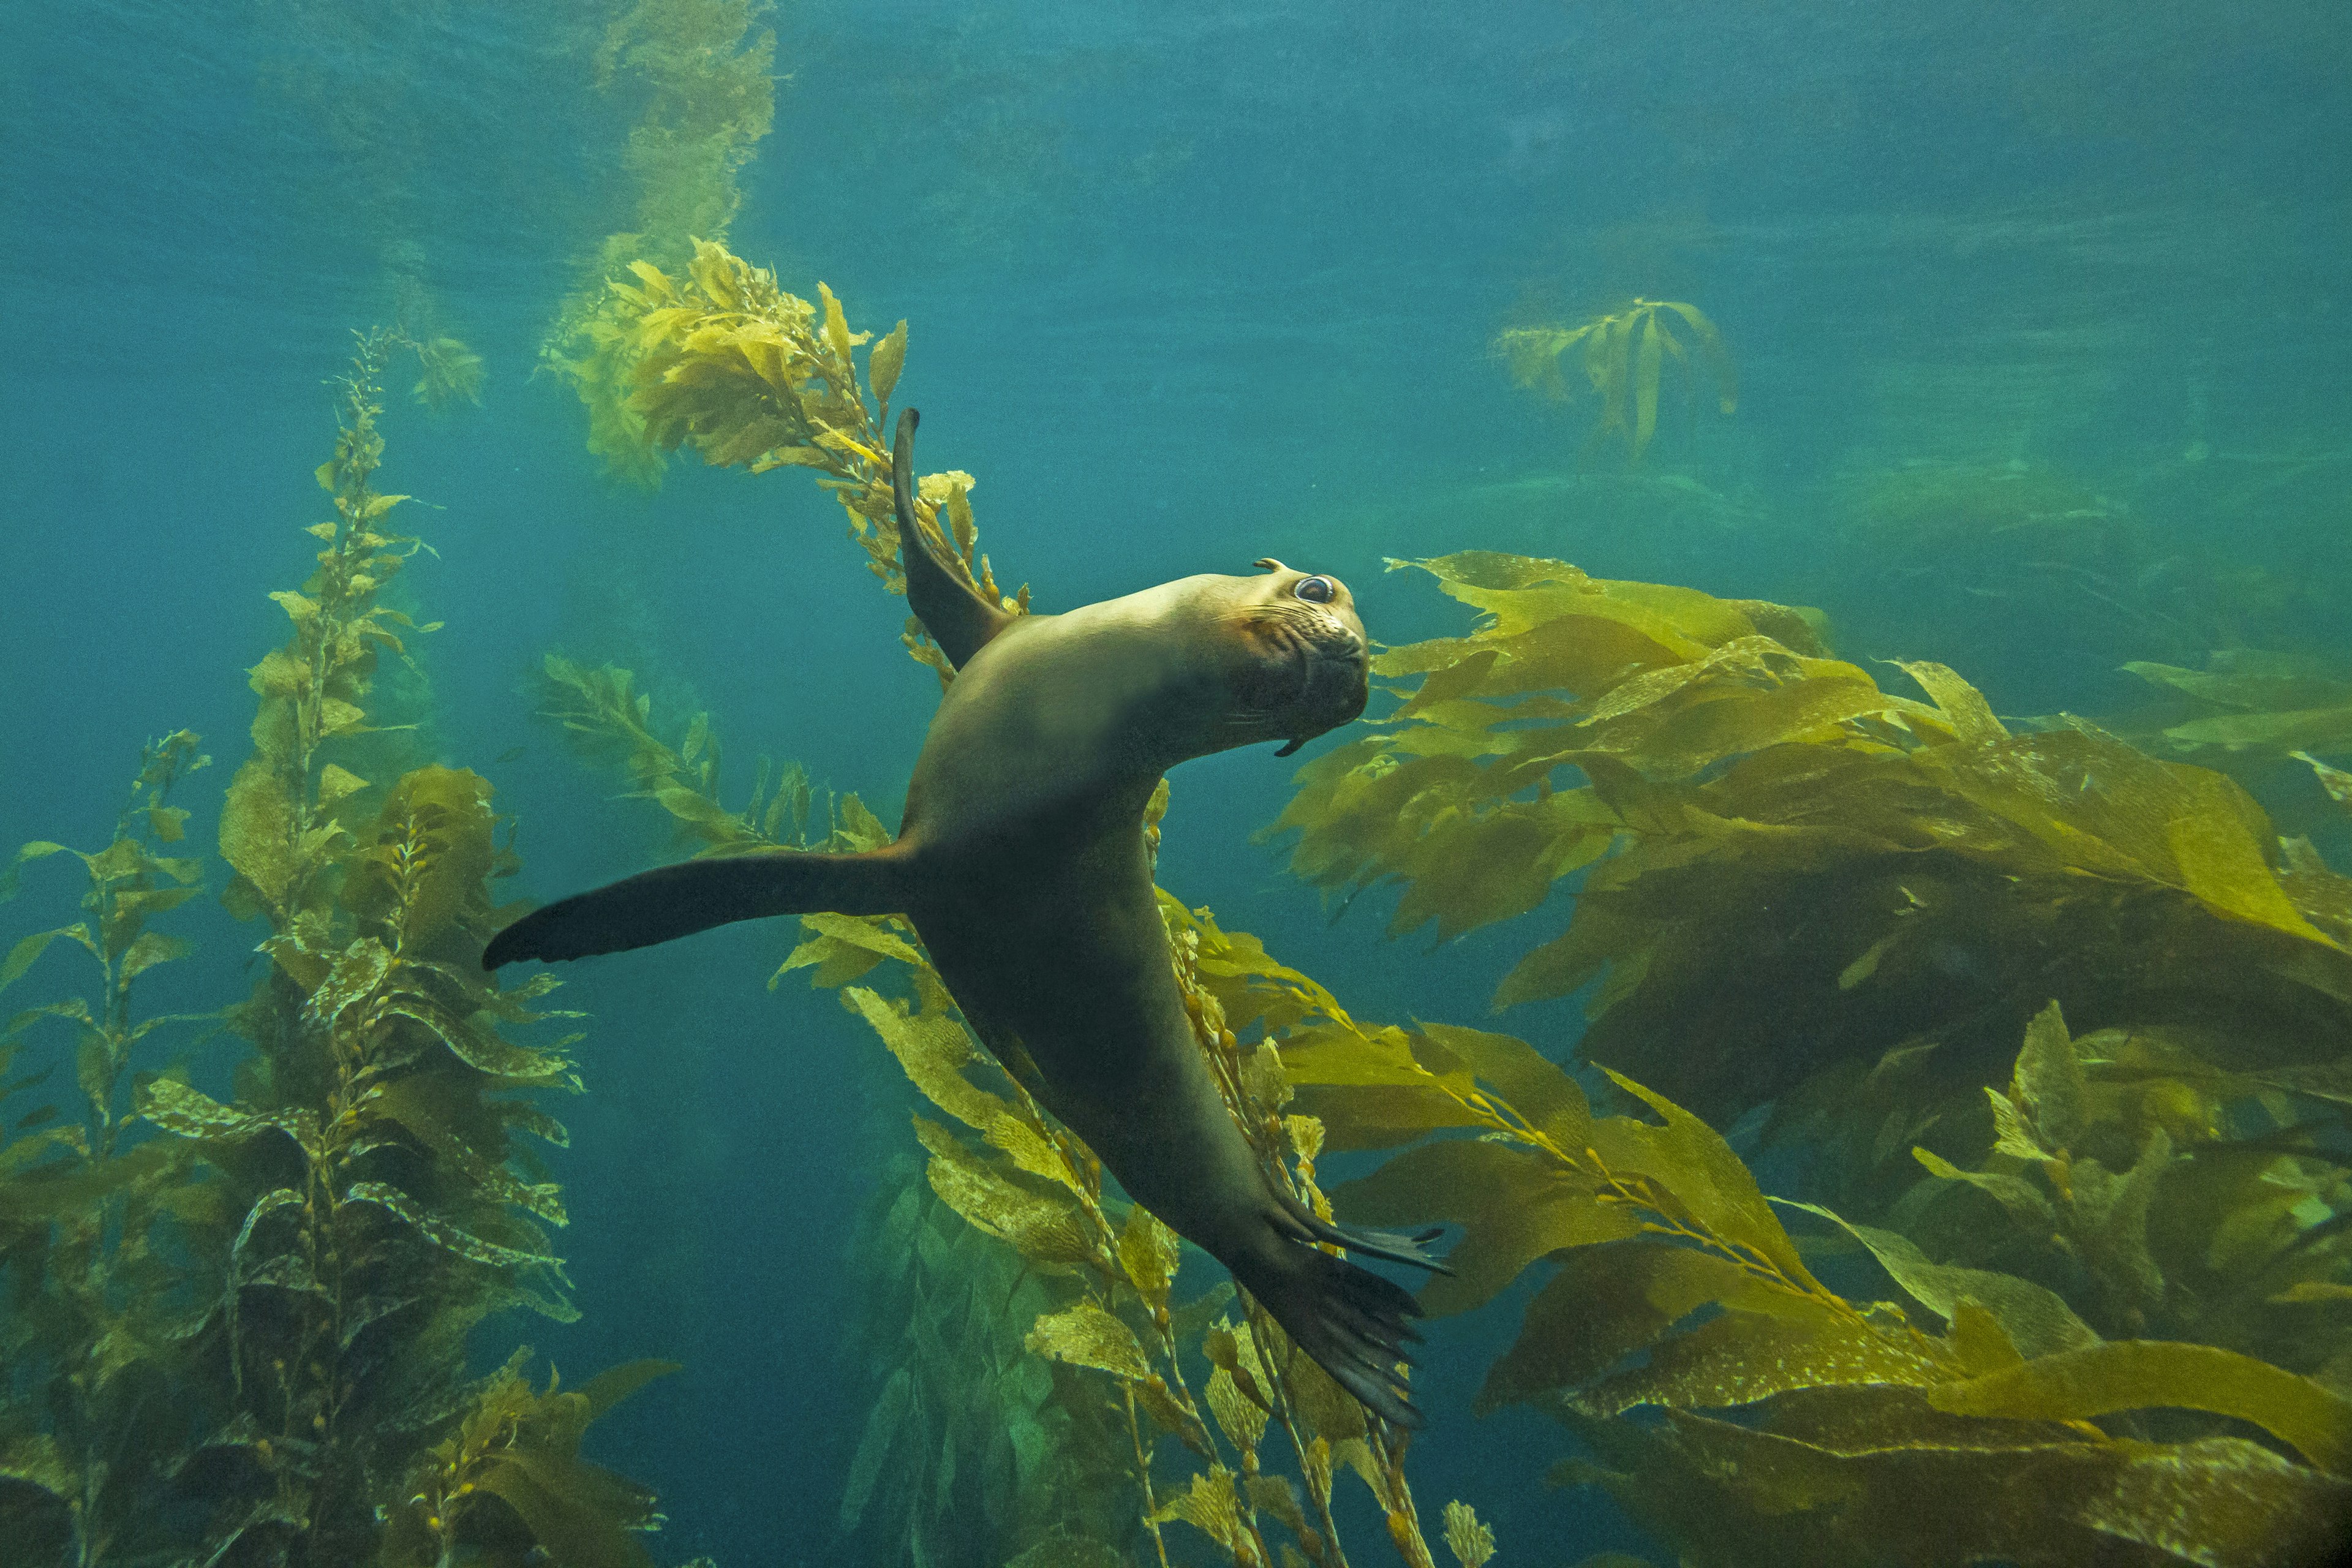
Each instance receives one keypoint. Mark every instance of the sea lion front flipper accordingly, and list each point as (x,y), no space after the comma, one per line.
(958,619)
(678,900)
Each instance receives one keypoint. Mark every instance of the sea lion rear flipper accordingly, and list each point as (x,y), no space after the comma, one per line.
(1394,1246)
(958,619)
(1355,1324)
(678,900)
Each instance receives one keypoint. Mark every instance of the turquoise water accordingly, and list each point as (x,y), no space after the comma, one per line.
(1185,290)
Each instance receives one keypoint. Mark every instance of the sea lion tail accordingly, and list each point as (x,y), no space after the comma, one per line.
(678,900)
(1356,1325)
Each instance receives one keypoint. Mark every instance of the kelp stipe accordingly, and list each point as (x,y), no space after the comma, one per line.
(243,1334)
(1622,355)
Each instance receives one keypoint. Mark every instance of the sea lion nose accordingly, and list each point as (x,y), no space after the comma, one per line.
(1339,682)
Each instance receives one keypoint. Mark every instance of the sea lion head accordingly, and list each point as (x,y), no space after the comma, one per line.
(1296,662)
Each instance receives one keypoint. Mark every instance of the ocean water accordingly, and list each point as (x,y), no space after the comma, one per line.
(1185,287)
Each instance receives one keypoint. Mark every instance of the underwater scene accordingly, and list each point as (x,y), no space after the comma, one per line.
(1744,955)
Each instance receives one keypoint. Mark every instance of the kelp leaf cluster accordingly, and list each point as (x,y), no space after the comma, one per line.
(1678,1292)
(728,363)
(702,76)
(1771,845)
(2247,702)
(1622,355)
(1804,894)
(238,1328)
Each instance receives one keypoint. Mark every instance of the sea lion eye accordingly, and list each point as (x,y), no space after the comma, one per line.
(1316,590)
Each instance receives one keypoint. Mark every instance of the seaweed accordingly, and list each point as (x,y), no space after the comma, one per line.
(974,1450)
(240,1322)
(2249,706)
(1773,848)
(1833,909)
(1623,355)
(1684,1337)
(702,73)
(724,362)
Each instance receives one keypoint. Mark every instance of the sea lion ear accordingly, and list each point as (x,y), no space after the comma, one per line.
(1269,564)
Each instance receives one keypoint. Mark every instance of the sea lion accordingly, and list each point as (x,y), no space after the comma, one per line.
(1021,864)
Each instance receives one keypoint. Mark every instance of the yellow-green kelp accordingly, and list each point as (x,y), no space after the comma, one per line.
(702,73)
(235,1326)
(1623,355)
(1806,896)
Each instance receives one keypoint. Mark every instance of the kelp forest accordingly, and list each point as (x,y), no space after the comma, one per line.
(1951,1165)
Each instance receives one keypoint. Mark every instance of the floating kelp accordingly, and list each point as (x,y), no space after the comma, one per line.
(1623,356)
(237,1333)
(2249,704)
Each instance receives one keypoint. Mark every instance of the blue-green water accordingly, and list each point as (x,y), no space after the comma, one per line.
(1186,288)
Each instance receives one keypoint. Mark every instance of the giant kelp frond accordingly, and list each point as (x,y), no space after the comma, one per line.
(1774,846)
(234,1330)
(509,1488)
(716,358)
(609,720)
(1622,355)
(449,372)
(747,375)
(1679,1292)
(974,1450)
(2249,705)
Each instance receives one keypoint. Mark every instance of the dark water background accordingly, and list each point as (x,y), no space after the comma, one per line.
(1187,286)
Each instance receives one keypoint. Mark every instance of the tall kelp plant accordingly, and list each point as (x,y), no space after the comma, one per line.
(731,367)
(245,1323)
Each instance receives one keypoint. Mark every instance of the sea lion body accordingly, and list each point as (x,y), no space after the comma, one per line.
(1022,862)
(1034,888)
